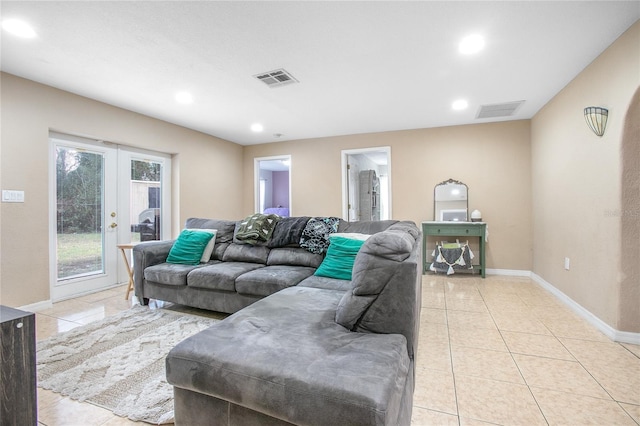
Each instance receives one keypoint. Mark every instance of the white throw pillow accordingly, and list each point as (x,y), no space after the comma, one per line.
(350,235)
(208,250)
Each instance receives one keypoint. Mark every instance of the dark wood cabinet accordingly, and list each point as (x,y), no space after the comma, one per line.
(18,401)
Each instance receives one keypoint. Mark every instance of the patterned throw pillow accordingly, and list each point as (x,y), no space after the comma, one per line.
(315,236)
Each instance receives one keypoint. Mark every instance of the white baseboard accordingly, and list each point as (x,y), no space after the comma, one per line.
(627,337)
(509,272)
(606,329)
(38,306)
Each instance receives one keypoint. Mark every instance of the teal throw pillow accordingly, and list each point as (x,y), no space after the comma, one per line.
(188,248)
(341,254)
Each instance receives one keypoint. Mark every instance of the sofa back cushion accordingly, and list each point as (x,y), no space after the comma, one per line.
(224,235)
(293,256)
(386,293)
(365,226)
(246,253)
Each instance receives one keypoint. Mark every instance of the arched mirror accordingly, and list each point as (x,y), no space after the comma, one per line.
(450,201)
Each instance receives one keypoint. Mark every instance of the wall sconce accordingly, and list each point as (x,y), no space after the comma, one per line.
(596,118)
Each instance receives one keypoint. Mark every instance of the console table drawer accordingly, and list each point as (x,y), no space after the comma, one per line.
(455,232)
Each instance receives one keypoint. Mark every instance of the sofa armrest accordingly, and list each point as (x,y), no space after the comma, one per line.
(386,285)
(148,254)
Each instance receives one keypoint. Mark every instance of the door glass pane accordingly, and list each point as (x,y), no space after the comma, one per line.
(146,192)
(79,204)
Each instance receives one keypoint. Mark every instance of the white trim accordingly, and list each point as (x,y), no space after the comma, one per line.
(125,156)
(606,329)
(60,289)
(627,337)
(38,306)
(603,327)
(256,179)
(509,272)
(345,178)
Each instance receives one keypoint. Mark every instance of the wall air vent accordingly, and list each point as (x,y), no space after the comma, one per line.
(499,110)
(276,78)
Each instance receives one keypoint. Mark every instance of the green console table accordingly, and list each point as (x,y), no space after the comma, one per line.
(455,229)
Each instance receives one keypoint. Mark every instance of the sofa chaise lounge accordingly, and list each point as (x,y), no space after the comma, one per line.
(306,349)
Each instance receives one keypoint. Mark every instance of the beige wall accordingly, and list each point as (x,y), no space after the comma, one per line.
(203,185)
(577,187)
(492,159)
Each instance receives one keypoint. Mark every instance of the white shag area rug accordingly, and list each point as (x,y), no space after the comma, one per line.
(119,363)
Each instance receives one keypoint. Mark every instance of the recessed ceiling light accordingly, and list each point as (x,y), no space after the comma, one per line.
(184,98)
(257,127)
(460,104)
(18,28)
(471,44)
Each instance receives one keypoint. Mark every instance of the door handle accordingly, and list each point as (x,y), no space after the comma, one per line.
(113,225)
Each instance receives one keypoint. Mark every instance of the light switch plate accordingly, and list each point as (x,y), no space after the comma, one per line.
(12,196)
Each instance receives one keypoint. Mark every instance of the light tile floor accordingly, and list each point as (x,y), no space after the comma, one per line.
(494,351)
(503,350)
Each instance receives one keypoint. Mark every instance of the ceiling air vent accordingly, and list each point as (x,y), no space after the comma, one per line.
(499,110)
(276,78)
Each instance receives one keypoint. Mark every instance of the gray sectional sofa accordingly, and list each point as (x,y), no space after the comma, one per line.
(299,349)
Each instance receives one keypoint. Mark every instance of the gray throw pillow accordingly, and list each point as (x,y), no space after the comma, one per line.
(288,231)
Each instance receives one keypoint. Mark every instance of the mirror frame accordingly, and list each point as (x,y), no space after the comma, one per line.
(450,181)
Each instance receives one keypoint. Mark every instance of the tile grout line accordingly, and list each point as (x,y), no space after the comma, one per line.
(619,403)
(514,360)
(453,373)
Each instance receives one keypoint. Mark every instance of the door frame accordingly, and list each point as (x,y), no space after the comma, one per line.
(256,179)
(125,155)
(114,272)
(72,287)
(345,176)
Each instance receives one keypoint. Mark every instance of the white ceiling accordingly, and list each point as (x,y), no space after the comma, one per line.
(363,66)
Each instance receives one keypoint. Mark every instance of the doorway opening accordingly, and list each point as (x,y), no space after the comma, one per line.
(366,184)
(273,185)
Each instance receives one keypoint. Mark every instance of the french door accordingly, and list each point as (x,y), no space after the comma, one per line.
(101,195)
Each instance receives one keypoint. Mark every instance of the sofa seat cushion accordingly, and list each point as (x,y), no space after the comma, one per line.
(171,273)
(220,276)
(270,279)
(326,283)
(286,357)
